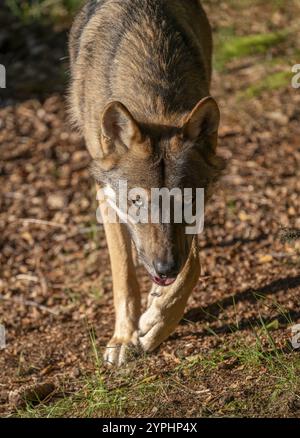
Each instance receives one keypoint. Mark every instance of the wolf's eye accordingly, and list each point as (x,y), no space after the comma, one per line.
(138,202)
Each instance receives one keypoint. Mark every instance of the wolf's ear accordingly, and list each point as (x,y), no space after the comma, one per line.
(203,120)
(118,127)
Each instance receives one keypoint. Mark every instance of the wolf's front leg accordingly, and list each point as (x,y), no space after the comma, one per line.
(126,294)
(167,304)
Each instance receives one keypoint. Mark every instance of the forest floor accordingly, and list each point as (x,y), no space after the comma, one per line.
(231,355)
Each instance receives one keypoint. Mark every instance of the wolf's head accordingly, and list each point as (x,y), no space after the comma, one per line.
(151,157)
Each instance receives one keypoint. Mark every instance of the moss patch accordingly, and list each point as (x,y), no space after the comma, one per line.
(235,47)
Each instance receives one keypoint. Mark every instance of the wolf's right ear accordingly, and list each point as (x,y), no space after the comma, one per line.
(119,130)
(120,133)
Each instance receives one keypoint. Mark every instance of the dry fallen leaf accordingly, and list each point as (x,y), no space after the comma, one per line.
(267,258)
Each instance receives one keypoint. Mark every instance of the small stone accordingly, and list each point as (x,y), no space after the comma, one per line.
(278,117)
(56,202)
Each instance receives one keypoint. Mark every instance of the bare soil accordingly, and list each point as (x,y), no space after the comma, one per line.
(55,279)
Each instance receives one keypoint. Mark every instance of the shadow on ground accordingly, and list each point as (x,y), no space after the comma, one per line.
(36,59)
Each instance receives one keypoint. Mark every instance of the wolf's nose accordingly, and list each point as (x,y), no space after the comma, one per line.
(166,269)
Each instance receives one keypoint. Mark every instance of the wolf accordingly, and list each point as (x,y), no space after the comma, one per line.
(140,96)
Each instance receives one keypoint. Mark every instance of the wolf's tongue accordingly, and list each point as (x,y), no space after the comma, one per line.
(163,281)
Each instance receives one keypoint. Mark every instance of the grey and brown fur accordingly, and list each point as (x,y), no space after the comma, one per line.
(140,95)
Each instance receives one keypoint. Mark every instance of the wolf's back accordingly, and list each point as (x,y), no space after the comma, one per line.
(154,56)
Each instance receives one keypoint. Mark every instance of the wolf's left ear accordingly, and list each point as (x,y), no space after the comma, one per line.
(203,120)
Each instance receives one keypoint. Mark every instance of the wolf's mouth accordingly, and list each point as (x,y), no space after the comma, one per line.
(163,281)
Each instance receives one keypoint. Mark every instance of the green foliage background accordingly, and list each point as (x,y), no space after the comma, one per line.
(43,10)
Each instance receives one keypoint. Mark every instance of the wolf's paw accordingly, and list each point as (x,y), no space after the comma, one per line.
(121,351)
(156,325)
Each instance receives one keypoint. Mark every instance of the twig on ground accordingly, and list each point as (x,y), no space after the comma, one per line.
(26,277)
(30,303)
(42,222)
